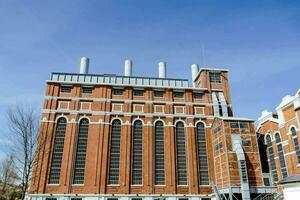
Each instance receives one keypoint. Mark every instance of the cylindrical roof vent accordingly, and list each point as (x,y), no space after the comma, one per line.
(84,65)
(162,69)
(195,70)
(128,68)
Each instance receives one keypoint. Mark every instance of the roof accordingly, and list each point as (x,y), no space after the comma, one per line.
(290,179)
(111,79)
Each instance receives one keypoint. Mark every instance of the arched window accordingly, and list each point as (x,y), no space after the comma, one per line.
(296,143)
(81,151)
(180,154)
(281,155)
(271,158)
(137,153)
(202,154)
(159,153)
(114,157)
(58,149)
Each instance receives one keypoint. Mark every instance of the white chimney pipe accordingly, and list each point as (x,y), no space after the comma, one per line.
(84,65)
(195,70)
(128,68)
(162,69)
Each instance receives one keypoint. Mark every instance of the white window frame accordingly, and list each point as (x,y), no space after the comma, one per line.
(183,109)
(156,106)
(59,105)
(81,105)
(134,108)
(117,104)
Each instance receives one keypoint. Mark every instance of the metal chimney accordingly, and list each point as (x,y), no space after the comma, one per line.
(84,65)
(128,68)
(195,70)
(162,69)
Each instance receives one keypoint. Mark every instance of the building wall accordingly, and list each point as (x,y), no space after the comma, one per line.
(270,126)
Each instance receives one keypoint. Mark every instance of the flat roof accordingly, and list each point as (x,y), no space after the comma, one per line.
(112,79)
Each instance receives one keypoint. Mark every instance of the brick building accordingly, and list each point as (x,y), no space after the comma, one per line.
(106,136)
(281,132)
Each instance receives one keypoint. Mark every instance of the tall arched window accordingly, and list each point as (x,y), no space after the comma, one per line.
(58,149)
(81,151)
(296,143)
(159,153)
(114,157)
(202,154)
(180,154)
(281,155)
(271,158)
(137,153)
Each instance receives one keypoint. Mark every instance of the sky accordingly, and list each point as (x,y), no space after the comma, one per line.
(258,41)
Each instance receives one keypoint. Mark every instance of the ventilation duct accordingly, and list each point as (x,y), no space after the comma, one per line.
(215,104)
(223,104)
(195,70)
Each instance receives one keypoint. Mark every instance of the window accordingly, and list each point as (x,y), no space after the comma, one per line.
(76,198)
(66,89)
(87,90)
(51,198)
(267,181)
(178,94)
(241,125)
(118,92)
(202,154)
(244,125)
(296,143)
(272,158)
(137,153)
(112,199)
(58,149)
(180,154)
(159,153)
(234,125)
(138,93)
(81,151)
(215,77)
(114,161)
(198,95)
(281,155)
(246,143)
(218,146)
(158,93)
(243,170)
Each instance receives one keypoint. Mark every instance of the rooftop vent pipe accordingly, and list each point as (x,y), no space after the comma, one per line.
(162,69)
(195,70)
(128,68)
(84,65)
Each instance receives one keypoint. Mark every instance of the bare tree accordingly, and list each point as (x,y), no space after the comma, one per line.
(8,176)
(23,124)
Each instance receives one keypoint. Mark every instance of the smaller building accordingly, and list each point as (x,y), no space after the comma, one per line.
(280,132)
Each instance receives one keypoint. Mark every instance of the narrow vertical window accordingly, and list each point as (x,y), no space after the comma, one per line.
(272,158)
(137,153)
(159,153)
(114,157)
(281,155)
(202,154)
(296,143)
(58,149)
(81,151)
(180,154)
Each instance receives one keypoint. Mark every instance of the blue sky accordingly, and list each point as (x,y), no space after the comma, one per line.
(258,41)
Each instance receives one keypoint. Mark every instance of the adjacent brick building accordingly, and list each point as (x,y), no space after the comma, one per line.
(105,136)
(281,132)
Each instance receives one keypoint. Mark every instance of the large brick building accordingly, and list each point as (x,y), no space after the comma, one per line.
(105,136)
(281,132)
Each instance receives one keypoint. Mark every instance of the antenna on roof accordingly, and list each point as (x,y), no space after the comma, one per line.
(203,56)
